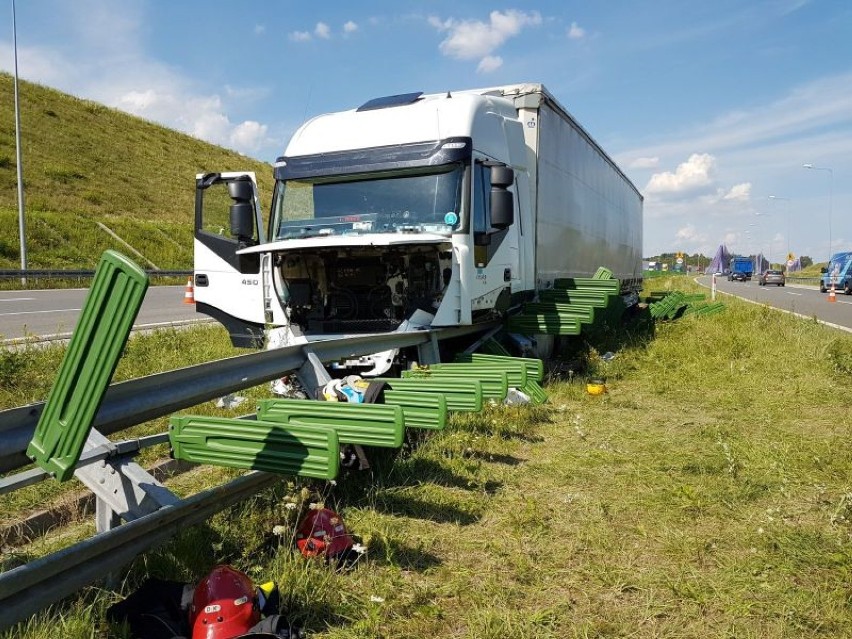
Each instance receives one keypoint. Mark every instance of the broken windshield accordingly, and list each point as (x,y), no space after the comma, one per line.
(392,202)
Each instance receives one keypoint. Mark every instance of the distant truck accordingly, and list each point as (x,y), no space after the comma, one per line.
(414,210)
(837,273)
(741,269)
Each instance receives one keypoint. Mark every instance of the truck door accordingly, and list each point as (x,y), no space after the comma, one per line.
(495,246)
(229,287)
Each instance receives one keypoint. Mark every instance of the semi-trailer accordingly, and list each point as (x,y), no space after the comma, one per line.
(413,211)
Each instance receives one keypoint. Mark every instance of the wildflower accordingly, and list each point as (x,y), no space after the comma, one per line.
(279,531)
(376,599)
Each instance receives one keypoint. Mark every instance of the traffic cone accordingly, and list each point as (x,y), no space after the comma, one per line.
(831,296)
(189,295)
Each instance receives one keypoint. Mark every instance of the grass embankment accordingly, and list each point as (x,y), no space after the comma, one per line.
(707,494)
(86,167)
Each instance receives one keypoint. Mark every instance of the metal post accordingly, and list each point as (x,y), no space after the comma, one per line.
(22,232)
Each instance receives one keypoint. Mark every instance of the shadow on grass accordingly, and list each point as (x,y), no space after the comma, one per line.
(410,506)
(391,552)
(494,458)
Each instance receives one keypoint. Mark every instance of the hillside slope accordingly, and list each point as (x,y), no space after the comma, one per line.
(86,164)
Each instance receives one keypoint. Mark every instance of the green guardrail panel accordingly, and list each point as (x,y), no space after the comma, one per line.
(546,324)
(365,424)
(516,375)
(111,306)
(528,383)
(419,410)
(583,312)
(292,449)
(602,274)
(495,384)
(533,366)
(577,283)
(493,347)
(461,395)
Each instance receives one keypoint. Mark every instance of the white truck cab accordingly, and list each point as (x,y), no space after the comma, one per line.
(397,215)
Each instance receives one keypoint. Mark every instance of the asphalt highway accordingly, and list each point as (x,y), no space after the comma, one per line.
(805,301)
(52,314)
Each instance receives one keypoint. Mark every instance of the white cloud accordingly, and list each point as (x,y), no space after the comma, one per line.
(249,135)
(689,233)
(299,36)
(645,163)
(350,27)
(259,29)
(739,192)
(472,39)
(576,32)
(322,30)
(489,63)
(691,175)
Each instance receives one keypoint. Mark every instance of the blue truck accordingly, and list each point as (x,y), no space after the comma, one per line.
(741,269)
(837,273)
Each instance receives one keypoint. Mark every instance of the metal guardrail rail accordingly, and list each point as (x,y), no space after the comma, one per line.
(76,274)
(27,589)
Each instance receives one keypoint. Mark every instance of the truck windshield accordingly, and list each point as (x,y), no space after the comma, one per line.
(392,202)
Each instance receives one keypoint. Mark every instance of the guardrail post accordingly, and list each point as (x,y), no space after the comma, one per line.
(312,374)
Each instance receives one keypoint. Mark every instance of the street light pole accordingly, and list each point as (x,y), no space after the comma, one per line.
(830,196)
(22,231)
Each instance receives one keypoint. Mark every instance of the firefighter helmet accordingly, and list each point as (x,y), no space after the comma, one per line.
(223,605)
(322,533)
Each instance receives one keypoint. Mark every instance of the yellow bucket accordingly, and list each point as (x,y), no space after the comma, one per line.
(595,387)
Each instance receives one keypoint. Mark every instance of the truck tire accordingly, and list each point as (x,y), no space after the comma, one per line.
(822,288)
(847,288)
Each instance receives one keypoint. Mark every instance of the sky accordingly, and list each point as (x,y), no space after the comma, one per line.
(710,108)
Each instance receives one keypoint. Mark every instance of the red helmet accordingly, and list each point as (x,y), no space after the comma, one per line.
(224,605)
(322,533)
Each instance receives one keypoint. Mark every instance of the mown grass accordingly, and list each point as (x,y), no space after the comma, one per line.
(85,164)
(707,494)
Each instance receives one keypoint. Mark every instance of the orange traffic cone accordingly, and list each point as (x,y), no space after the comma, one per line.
(831,296)
(189,295)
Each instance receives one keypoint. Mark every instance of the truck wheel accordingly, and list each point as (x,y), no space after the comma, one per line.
(822,288)
(847,288)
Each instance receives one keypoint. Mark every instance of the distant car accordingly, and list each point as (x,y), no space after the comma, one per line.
(737,276)
(772,277)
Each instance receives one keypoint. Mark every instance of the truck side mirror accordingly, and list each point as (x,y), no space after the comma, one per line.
(502,200)
(502,176)
(242,211)
(242,221)
(240,190)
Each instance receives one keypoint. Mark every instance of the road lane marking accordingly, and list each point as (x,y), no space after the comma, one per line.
(792,293)
(58,310)
(17,299)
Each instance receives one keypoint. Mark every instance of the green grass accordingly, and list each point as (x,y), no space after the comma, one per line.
(706,494)
(85,164)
